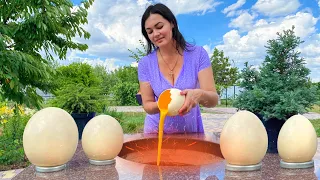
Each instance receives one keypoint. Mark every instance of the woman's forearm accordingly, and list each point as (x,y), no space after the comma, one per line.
(151,107)
(209,98)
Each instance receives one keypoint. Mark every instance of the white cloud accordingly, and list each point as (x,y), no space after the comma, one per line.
(251,46)
(134,64)
(276,7)
(260,22)
(194,6)
(311,48)
(231,10)
(109,63)
(319,3)
(115,25)
(244,21)
(315,72)
(208,49)
(143,2)
(311,51)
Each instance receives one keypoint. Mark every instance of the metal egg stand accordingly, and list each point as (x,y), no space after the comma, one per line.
(62,167)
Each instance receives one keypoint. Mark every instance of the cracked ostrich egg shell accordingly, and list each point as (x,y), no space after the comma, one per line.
(50,137)
(176,102)
(243,139)
(102,138)
(297,140)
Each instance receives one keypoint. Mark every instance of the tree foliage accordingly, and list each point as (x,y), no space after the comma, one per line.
(224,74)
(31,34)
(79,89)
(127,74)
(281,88)
(125,92)
(127,85)
(139,53)
(317,85)
(108,79)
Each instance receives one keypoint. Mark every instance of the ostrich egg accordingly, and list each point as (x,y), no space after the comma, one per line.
(297,140)
(243,139)
(172,100)
(102,138)
(50,137)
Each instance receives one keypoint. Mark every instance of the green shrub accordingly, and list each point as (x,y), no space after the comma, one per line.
(79,99)
(79,90)
(11,141)
(126,87)
(125,93)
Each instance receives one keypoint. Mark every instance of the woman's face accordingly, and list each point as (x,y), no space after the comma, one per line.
(159,30)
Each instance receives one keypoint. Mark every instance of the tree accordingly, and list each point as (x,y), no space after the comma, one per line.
(31,33)
(224,74)
(127,74)
(140,53)
(250,77)
(77,73)
(127,85)
(317,85)
(133,88)
(108,80)
(282,87)
(79,89)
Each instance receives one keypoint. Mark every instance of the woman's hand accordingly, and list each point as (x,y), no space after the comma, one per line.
(193,97)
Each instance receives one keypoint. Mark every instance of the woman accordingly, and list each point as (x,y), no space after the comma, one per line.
(173,63)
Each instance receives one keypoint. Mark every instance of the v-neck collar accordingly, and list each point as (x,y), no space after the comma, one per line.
(181,70)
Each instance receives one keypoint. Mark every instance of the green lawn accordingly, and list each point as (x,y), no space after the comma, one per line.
(315,108)
(316,125)
(132,122)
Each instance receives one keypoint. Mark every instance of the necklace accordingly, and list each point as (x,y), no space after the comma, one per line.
(171,70)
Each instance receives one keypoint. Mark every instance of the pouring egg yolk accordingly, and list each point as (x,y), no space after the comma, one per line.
(163,102)
(169,103)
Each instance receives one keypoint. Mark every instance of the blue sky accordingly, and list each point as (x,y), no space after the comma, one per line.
(240,28)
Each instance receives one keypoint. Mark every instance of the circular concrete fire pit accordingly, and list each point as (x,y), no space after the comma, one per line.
(185,166)
(174,152)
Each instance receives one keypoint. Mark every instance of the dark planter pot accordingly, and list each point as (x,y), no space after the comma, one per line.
(81,120)
(139,99)
(273,127)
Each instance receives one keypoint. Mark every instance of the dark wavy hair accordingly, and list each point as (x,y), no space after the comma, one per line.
(166,13)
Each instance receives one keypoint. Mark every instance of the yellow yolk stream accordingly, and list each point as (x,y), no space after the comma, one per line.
(163,103)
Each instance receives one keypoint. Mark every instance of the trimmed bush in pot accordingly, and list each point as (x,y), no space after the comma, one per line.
(80,93)
(280,88)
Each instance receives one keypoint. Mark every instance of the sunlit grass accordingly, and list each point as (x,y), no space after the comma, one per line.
(315,108)
(133,122)
(316,125)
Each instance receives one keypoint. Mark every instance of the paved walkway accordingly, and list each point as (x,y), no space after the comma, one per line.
(6,175)
(213,121)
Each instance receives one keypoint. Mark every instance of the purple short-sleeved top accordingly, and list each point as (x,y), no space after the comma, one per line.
(195,59)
